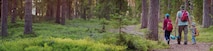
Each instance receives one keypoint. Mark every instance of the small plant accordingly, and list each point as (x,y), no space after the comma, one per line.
(211,49)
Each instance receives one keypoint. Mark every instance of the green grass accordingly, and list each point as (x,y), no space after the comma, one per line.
(76,35)
(206,35)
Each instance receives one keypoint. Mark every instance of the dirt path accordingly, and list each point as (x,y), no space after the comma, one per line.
(132,29)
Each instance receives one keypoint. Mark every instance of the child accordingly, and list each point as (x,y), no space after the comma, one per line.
(193,33)
(167,27)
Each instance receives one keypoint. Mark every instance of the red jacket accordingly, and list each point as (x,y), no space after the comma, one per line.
(166,20)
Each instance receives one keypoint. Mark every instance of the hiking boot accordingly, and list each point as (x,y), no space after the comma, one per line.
(185,43)
(167,42)
(178,43)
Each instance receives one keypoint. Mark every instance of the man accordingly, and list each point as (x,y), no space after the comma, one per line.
(182,25)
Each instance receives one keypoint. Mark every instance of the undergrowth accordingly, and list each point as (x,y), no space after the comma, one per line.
(76,35)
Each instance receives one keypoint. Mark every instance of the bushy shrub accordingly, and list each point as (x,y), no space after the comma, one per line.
(133,42)
(57,44)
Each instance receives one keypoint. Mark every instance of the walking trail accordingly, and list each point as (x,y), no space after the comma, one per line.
(132,29)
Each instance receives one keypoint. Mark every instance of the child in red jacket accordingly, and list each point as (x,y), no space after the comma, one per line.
(167,27)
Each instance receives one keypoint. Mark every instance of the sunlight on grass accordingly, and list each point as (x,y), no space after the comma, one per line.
(76,35)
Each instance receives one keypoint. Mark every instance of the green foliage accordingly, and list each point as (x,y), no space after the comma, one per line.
(198,10)
(211,49)
(104,8)
(205,35)
(120,20)
(76,35)
(133,42)
(57,44)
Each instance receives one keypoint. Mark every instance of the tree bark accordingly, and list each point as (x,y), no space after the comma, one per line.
(21,13)
(90,9)
(144,20)
(64,10)
(77,9)
(49,12)
(4,15)
(69,9)
(206,16)
(14,11)
(186,4)
(58,12)
(211,12)
(28,17)
(1,9)
(153,22)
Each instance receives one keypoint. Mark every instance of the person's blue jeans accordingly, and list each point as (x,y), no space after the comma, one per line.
(193,39)
(167,35)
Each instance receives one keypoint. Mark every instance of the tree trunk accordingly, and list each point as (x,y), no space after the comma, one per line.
(211,12)
(206,16)
(186,4)
(90,9)
(169,6)
(77,9)
(28,17)
(0,9)
(21,10)
(64,10)
(10,8)
(14,12)
(4,15)
(49,12)
(144,16)
(69,4)
(153,22)
(58,12)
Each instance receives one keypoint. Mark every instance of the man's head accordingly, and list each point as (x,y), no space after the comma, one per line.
(182,7)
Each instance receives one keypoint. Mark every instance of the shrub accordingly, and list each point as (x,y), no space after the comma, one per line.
(57,44)
(133,42)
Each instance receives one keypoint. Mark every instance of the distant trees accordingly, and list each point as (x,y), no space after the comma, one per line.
(14,11)
(64,12)
(58,12)
(4,16)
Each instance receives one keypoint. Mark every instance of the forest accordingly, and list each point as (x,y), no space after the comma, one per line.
(100,25)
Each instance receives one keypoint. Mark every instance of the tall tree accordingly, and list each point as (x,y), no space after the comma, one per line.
(77,9)
(14,11)
(50,9)
(64,11)
(58,12)
(186,4)
(0,8)
(28,17)
(144,17)
(90,9)
(211,12)
(4,15)
(153,22)
(206,16)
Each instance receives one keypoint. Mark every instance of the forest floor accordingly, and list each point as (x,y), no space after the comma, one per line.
(132,29)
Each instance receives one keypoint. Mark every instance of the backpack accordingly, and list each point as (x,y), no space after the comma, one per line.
(196,32)
(169,26)
(184,16)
